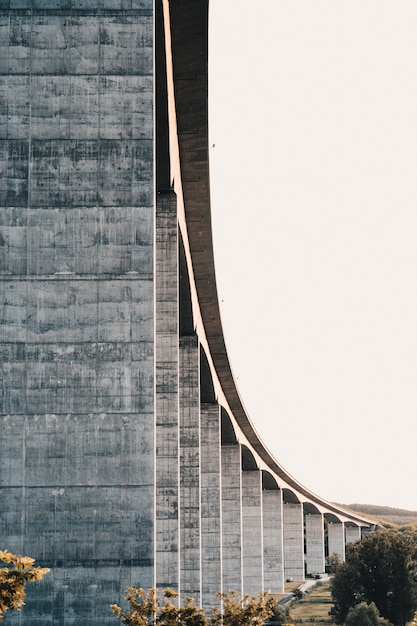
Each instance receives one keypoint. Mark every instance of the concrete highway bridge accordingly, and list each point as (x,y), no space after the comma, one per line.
(127,456)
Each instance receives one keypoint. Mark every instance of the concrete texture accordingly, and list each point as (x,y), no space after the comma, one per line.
(211,548)
(293,531)
(115,467)
(190,473)
(273,557)
(352,533)
(77,302)
(314,530)
(231,518)
(252,538)
(336,539)
(167,542)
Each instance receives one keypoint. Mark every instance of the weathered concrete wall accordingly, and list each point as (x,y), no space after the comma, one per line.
(336,538)
(189,410)
(108,460)
(166,398)
(272,540)
(231,518)
(252,546)
(211,561)
(293,541)
(352,533)
(314,529)
(77,300)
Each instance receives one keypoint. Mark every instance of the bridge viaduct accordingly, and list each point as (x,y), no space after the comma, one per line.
(127,456)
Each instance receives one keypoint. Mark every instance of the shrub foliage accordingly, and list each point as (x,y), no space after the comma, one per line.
(147,609)
(16,572)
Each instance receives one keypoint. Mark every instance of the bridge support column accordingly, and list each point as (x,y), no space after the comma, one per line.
(190,528)
(252,548)
(293,541)
(314,527)
(211,570)
(336,538)
(166,396)
(272,540)
(352,533)
(231,518)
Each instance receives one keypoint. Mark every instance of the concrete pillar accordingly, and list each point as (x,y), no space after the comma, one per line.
(336,538)
(77,298)
(252,545)
(352,533)
(314,528)
(211,570)
(293,541)
(272,540)
(190,528)
(166,397)
(231,518)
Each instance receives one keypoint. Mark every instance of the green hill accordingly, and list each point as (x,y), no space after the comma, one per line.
(386,514)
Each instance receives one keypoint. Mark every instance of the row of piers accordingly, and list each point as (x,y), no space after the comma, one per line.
(224,520)
(127,458)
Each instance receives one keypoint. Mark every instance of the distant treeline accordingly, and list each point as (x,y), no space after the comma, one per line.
(386,514)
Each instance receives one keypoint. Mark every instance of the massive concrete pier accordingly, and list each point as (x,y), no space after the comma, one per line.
(127,457)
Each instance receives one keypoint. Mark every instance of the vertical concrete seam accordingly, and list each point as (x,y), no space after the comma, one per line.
(219,443)
(154,218)
(178,421)
(262,533)
(199,467)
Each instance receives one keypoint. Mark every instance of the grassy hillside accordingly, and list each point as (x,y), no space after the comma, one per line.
(313,608)
(386,514)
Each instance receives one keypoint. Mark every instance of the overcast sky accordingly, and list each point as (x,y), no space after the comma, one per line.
(313,158)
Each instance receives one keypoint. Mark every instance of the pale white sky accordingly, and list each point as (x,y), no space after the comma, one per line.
(313,113)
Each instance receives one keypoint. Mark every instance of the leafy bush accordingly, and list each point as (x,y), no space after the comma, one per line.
(364,614)
(146,608)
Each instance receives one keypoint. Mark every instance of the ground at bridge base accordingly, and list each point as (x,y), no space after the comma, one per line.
(305,586)
(313,608)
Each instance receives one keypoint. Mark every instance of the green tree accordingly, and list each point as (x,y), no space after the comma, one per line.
(16,572)
(378,568)
(364,614)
